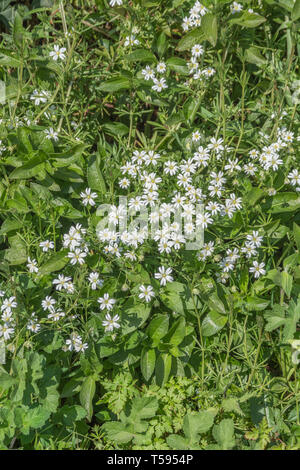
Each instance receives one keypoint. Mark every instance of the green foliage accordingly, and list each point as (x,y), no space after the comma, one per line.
(90,91)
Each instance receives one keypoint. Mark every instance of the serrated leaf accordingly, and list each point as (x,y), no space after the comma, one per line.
(86,395)
(148,359)
(212,323)
(56,262)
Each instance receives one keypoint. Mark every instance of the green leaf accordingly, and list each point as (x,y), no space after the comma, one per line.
(163,368)
(94,175)
(178,65)
(195,424)
(6,380)
(148,358)
(141,55)
(68,414)
(10,225)
(253,56)
(212,323)
(177,297)
(116,128)
(17,253)
(116,432)
(209,26)
(248,20)
(55,263)
(143,408)
(18,31)
(286,283)
(296,231)
(296,11)
(158,328)
(134,316)
(190,39)
(116,84)
(256,304)
(177,442)
(176,334)
(224,434)
(31,168)
(87,393)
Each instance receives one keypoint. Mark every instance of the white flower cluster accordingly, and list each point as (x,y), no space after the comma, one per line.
(7,328)
(159,82)
(194,18)
(193,65)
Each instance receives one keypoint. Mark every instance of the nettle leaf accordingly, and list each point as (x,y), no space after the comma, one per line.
(158,328)
(68,414)
(248,20)
(9,225)
(177,297)
(253,56)
(285,202)
(256,304)
(116,128)
(134,316)
(178,65)
(148,359)
(87,392)
(32,168)
(94,175)
(116,84)
(296,11)
(212,323)
(17,253)
(209,25)
(279,316)
(55,263)
(6,380)
(141,55)
(224,434)
(193,426)
(176,334)
(196,36)
(163,368)
(296,231)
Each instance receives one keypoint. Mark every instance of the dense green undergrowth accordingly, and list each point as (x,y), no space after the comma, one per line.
(181,329)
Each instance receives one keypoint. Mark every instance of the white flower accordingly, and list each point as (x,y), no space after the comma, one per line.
(236,7)
(58,53)
(6,331)
(47,303)
(257,269)
(61,282)
(148,73)
(39,97)
(47,245)
(95,281)
(8,304)
(131,40)
(161,67)
(56,316)
(116,2)
(197,50)
(51,134)
(111,322)
(106,302)
(255,238)
(32,265)
(294,176)
(159,84)
(164,275)
(88,197)
(146,293)
(77,256)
